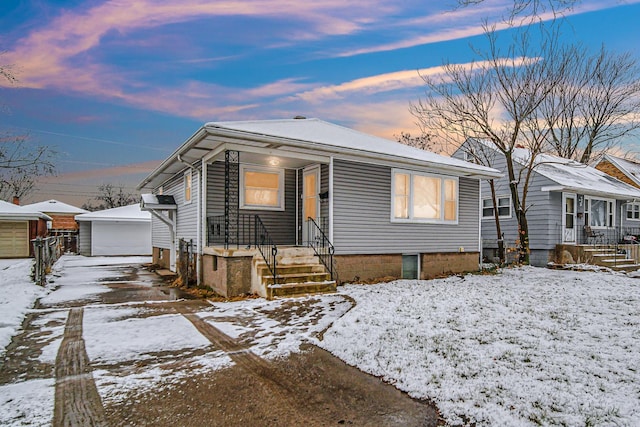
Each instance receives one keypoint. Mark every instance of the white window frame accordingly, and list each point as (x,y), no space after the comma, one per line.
(262,169)
(498,198)
(632,207)
(187,183)
(411,219)
(610,216)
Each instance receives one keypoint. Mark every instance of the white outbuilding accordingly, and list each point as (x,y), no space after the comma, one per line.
(125,230)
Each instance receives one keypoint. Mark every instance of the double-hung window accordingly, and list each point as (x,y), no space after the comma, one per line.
(418,197)
(504,207)
(633,211)
(262,188)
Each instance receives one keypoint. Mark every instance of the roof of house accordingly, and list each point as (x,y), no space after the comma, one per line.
(310,134)
(54,207)
(573,176)
(131,213)
(629,168)
(9,211)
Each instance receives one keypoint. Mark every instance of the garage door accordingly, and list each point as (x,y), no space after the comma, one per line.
(14,239)
(120,238)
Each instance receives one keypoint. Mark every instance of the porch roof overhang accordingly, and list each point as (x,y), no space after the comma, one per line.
(622,195)
(212,139)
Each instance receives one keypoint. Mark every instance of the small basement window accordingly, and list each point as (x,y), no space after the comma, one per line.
(410,266)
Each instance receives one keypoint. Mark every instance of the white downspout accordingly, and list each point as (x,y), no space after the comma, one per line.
(198,216)
(331,199)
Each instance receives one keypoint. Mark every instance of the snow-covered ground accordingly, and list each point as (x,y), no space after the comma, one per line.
(17,295)
(528,346)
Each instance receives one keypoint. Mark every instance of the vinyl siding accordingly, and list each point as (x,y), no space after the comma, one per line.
(186,214)
(280,224)
(84,238)
(362,210)
(544,214)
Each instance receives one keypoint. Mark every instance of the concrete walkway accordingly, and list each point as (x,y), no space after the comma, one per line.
(309,387)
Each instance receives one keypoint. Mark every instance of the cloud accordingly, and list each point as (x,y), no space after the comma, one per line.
(51,56)
(454,31)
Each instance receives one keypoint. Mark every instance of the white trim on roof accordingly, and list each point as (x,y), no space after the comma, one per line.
(311,137)
(130,213)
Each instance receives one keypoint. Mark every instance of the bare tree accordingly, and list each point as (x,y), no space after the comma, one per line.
(496,100)
(595,106)
(423,141)
(21,164)
(111,196)
(529,8)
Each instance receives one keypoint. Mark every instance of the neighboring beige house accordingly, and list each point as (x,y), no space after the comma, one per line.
(625,170)
(18,226)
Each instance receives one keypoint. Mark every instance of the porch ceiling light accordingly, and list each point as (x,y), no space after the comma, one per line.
(274,161)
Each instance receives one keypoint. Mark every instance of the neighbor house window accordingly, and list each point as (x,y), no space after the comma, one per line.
(424,198)
(187,186)
(633,211)
(504,207)
(599,212)
(262,188)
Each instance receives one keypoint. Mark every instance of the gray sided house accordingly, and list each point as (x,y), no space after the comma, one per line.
(568,204)
(278,204)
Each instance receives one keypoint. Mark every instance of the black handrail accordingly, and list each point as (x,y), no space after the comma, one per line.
(248,231)
(321,245)
(241,235)
(267,247)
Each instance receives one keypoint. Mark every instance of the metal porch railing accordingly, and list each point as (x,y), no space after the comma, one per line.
(245,232)
(321,245)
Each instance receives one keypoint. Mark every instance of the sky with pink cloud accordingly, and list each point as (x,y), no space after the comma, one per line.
(115,86)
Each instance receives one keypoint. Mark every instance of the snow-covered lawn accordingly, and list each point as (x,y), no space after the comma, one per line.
(529,346)
(17,295)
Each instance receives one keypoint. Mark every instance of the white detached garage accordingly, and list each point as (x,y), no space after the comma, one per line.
(125,230)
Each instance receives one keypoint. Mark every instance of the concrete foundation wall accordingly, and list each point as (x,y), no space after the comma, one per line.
(372,268)
(161,257)
(435,265)
(367,268)
(227,276)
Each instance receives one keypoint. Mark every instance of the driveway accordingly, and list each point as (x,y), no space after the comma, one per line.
(114,345)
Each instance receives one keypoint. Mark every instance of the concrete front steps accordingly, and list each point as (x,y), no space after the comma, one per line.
(607,257)
(299,272)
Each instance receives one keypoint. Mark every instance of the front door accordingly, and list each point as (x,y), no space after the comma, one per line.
(568,218)
(310,198)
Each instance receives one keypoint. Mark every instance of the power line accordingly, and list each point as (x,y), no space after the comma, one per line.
(86,138)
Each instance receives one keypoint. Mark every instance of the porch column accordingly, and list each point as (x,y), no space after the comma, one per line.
(231,196)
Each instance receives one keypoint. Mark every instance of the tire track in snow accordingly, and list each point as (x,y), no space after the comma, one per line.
(77,401)
(289,392)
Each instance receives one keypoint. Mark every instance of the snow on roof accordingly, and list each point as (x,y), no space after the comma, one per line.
(575,176)
(54,206)
(313,136)
(122,213)
(330,134)
(16,212)
(628,167)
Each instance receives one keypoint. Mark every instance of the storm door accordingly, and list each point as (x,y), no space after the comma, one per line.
(310,199)
(568,218)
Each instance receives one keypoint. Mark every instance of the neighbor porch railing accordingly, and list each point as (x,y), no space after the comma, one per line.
(245,232)
(321,245)
(608,236)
